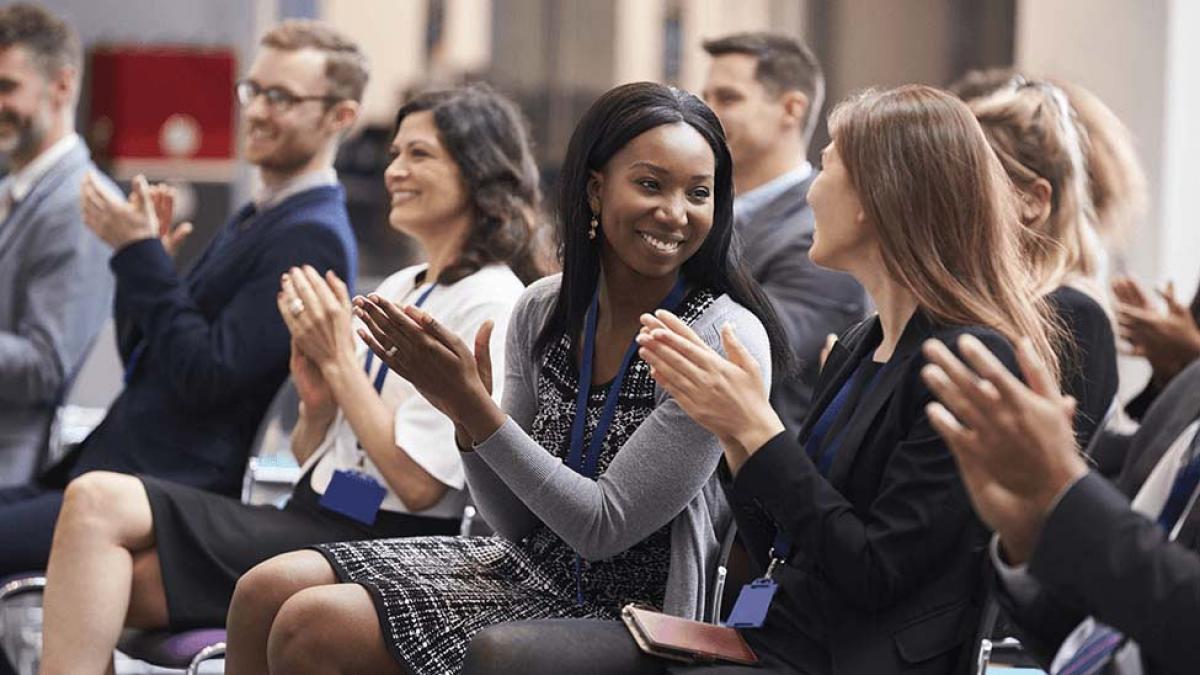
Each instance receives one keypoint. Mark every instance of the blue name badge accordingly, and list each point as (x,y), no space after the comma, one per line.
(752,604)
(355,495)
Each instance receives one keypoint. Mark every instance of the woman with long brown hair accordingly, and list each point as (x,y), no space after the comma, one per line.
(862,524)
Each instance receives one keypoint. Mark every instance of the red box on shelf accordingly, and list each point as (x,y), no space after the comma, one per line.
(163,111)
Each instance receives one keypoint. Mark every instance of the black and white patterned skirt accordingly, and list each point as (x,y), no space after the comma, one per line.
(433,594)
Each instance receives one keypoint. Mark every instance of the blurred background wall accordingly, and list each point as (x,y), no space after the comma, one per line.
(555,56)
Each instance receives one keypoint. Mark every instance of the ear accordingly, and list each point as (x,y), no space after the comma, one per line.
(344,115)
(63,85)
(795,107)
(1036,203)
(595,186)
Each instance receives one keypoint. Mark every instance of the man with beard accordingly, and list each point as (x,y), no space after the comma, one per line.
(54,285)
(767,89)
(205,353)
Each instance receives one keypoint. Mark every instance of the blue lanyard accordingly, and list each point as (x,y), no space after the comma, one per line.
(586,465)
(781,547)
(383,369)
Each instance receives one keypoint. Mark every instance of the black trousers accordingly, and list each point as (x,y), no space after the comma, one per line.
(27,517)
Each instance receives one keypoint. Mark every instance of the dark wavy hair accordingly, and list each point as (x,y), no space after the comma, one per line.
(487,137)
(615,119)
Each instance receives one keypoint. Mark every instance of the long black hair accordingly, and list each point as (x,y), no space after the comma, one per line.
(616,118)
(486,136)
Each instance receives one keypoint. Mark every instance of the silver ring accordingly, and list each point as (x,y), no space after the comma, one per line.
(390,351)
(296,306)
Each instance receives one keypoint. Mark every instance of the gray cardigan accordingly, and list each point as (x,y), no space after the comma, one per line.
(664,472)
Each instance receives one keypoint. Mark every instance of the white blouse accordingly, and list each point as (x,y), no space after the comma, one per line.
(421,431)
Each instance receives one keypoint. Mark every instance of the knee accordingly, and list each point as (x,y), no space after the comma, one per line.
(500,649)
(93,499)
(304,636)
(261,592)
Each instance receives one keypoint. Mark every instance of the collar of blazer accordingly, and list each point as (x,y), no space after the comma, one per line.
(784,206)
(854,346)
(50,182)
(1175,408)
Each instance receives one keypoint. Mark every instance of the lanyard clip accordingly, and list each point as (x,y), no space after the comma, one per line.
(776,561)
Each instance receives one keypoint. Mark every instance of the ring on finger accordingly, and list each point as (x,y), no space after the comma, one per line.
(296,306)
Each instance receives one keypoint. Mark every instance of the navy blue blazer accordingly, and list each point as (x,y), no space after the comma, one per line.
(887,567)
(205,354)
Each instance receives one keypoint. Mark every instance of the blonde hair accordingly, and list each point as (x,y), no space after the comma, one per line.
(944,211)
(345,64)
(1116,178)
(1033,130)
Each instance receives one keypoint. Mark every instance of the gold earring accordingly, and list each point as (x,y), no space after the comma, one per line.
(594,225)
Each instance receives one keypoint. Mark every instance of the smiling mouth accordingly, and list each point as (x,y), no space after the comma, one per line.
(402,196)
(660,245)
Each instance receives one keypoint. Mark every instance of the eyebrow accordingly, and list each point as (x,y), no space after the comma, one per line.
(395,147)
(646,164)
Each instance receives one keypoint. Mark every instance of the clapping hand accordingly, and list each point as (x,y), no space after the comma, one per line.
(162,199)
(118,223)
(1014,443)
(437,362)
(1169,340)
(316,310)
(726,396)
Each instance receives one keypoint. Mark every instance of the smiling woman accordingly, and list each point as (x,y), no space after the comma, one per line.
(602,493)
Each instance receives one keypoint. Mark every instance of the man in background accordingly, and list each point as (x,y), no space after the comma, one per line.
(767,90)
(55,287)
(205,353)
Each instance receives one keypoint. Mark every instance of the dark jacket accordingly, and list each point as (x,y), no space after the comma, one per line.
(887,570)
(1090,366)
(811,301)
(1096,557)
(205,354)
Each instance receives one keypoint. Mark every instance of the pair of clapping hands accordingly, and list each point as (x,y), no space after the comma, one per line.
(1169,339)
(148,213)
(453,378)
(1014,443)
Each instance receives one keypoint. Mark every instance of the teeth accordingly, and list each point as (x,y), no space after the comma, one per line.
(660,244)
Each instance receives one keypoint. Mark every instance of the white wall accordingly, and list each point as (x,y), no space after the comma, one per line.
(1140,57)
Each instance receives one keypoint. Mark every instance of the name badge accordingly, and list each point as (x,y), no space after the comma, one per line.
(355,495)
(752,604)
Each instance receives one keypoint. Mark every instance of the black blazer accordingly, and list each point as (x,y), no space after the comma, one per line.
(888,564)
(213,348)
(1096,557)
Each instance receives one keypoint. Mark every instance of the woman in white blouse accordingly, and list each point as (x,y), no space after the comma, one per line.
(378,460)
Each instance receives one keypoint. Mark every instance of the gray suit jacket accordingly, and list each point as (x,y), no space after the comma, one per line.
(55,294)
(811,301)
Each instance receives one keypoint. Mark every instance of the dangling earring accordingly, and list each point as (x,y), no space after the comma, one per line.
(594,225)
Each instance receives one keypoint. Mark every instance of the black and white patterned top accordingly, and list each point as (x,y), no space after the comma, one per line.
(639,574)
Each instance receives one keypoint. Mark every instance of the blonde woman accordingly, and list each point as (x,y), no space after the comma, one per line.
(1033,129)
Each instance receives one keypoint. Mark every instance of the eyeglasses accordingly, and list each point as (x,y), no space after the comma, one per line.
(279,100)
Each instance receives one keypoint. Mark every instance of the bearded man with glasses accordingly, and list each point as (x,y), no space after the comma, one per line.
(205,352)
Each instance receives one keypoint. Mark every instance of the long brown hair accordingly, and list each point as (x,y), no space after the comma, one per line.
(1033,130)
(944,211)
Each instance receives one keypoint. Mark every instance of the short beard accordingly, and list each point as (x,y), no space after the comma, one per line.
(28,139)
